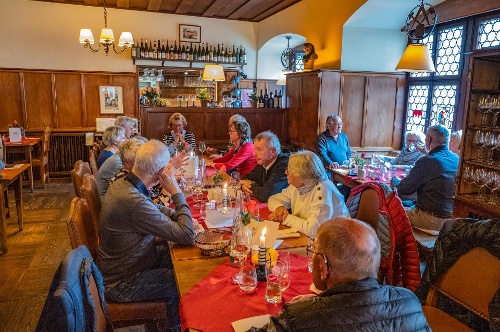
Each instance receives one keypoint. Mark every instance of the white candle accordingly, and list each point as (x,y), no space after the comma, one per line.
(191,153)
(225,199)
(263,239)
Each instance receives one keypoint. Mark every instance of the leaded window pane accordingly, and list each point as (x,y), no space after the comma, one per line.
(489,33)
(443,105)
(417,107)
(299,64)
(429,41)
(448,51)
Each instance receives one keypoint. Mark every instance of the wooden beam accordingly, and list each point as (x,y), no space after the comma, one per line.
(123,4)
(275,9)
(184,6)
(250,5)
(220,7)
(92,2)
(453,9)
(154,5)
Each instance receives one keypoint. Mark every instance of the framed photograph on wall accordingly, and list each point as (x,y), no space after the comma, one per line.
(190,33)
(111,99)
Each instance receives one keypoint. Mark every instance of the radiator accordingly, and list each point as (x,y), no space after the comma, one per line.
(65,150)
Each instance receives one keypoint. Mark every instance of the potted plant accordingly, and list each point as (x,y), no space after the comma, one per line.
(253,99)
(203,97)
(360,163)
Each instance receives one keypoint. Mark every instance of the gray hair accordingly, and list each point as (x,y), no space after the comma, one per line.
(237,118)
(150,158)
(177,117)
(440,134)
(351,247)
(456,136)
(270,139)
(124,121)
(111,135)
(129,148)
(418,134)
(334,117)
(307,166)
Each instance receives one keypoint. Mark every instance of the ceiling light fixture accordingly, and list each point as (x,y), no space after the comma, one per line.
(106,39)
(420,23)
(213,73)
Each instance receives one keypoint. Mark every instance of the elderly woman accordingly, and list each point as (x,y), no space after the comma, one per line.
(455,142)
(112,137)
(312,198)
(178,138)
(127,123)
(412,151)
(240,158)
(214,153)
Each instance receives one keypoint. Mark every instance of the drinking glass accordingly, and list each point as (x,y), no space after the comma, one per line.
(179,99)
(479,143)
(273,288)
(187,98)
(241,241)
(490,143)
(248,278)
(235,180)
(284,264)
(202,147)
(484,107)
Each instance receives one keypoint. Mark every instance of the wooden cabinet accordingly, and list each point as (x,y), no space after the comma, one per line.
(480,153)
(371,106)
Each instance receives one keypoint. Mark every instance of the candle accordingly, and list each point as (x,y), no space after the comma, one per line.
(224,195)
(263,239)
(191,153)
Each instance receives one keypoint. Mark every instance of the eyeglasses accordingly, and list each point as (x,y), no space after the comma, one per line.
(310,253)
(334,124)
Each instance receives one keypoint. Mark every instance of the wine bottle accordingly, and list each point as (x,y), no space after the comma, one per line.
(271,101)
(244,59)
(134,50)
(155,51)
(171,52)
(176,52)
(280,101)
(276,99)
(159,49)
(146,49)
(222,54)
(141,53)
(226,58)
(167,51)
(266,100)
(217,58)
(261,100)
(240,60)
(203,53)
(230,55)
(183,52)
(151,56)
(211,54)
(195,53)
(191,52)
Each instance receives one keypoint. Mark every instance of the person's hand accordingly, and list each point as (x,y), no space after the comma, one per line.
(421,147)
(302,297)
(246,185)
(176,162)
(333,166)
(214,156)
(168,182)
(210,151)
(279,214)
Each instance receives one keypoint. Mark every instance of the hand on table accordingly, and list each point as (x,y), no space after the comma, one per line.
(246,185)
(333,166)
(279,214)
(168,182)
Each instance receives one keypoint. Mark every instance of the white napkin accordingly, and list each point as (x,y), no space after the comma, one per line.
(245,324)
(215,218)
(288,233)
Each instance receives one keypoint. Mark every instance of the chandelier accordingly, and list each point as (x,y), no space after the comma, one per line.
(106,39)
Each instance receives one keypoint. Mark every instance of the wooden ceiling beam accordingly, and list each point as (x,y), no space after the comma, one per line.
(250,5)
(219,6)
(123,4)
(275,9)
(92,2)
(154,5)
(184,6)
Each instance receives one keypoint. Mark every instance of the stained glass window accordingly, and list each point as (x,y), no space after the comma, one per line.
(449,50)
(488,33)
(443,105)
(417,107)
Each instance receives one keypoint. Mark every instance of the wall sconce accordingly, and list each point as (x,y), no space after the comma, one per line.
(420,23)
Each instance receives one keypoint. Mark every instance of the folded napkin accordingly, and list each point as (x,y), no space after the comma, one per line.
(215,218)
(288,233)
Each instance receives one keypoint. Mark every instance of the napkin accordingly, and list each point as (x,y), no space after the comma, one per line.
(271,231)
(191,167)
(215,218)
(288,233)
(246,324)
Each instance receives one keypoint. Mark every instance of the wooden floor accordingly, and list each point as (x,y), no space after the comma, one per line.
(26,270)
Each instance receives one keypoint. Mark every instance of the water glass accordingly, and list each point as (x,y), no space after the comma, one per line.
(273,290)
(248,278)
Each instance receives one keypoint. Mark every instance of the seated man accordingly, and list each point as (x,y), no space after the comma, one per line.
(346,259)
(269,177)
(433,178)
(333,145)
(134,269)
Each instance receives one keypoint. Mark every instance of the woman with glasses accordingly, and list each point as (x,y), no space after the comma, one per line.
(179,139)
(240,158)
(311,197)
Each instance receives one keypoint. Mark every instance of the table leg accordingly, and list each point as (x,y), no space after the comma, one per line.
(18,191)
(3,236)
(29,157)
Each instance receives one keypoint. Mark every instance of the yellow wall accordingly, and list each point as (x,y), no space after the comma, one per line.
(320,22)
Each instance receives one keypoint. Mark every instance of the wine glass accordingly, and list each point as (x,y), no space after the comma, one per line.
(202,147)
(468,178)
(491,183)
(484,107)
(479,143)
(235,180)
(490,143)
(187,98)
(480,179)
(241,241)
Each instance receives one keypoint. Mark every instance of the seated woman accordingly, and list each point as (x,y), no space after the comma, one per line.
(215,153)
(240,158)
(127,123)
(112,137)
(455,142)
(311,197)
(178,138)
(412,151)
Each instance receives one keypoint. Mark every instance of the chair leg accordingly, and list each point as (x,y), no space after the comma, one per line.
(7,203)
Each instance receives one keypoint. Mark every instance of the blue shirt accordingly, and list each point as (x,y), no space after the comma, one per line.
(103,156)
(433,178)
(333,150)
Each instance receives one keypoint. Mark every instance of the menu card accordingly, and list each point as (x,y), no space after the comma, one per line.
(15,135)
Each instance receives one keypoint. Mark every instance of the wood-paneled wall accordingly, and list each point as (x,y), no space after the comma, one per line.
(61,100)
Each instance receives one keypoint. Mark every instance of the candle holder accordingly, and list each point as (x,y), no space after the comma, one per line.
(261,267)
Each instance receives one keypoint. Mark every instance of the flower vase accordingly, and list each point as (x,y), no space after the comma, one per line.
(204,102)
(361,173)
(253,103)
(151,101)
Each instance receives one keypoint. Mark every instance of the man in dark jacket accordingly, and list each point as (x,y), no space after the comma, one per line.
(346,258)
(269,177)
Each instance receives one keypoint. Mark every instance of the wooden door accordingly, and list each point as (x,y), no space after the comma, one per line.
(309,112)
(294,93)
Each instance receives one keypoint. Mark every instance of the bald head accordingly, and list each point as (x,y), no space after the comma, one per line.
(351,247)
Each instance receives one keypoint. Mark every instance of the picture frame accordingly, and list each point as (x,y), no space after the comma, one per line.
(189,33)
(111,98)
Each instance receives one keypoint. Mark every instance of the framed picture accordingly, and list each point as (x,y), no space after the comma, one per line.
(111,99)
(190,33)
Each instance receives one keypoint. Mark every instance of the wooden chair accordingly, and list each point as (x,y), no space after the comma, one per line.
(93,155)
(82,232)
(91,194)
(79,170)
(3,157)
(41,160)
(471,282)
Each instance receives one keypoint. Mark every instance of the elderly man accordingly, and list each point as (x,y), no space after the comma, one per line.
(333,145)
(433,178)
(346,259)
(134,269)
(269,177)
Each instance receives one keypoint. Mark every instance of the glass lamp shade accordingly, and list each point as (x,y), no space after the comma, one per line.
(213,73)
(126,39)
(107,35)
(282,78)
(416,58)
(86,36)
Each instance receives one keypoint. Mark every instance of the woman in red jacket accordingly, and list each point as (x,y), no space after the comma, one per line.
(240,158)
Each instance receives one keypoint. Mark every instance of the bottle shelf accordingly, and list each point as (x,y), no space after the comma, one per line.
(191,62)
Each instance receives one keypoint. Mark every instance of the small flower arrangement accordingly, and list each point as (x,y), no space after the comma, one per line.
(253,96)
(217,178)
(13,124)
(182,147)
(203,95)
(150,92)
(360,160)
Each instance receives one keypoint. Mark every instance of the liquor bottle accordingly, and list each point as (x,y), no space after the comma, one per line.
(171,52)
(151,56)
(276,99)
(280,101)
(261,100)
(266,100)
(244,60)
(271,101)
(183,52)
(176,54)
(155,51)
(211,54)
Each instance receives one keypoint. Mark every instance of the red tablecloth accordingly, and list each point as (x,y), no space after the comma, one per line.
(214,303)
(398,172)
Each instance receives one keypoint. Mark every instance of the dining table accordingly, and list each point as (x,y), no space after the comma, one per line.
(10,176)
(373,174)
(26,147)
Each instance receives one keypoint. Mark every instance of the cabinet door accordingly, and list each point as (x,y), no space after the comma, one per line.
(309,112)
(294,93)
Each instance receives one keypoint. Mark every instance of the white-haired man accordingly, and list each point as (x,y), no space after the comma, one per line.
(134,269)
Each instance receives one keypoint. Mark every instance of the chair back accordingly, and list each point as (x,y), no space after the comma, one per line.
(44,153)
(81,227)
(80,169)
(3,151)
(93,155)
(91,194)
